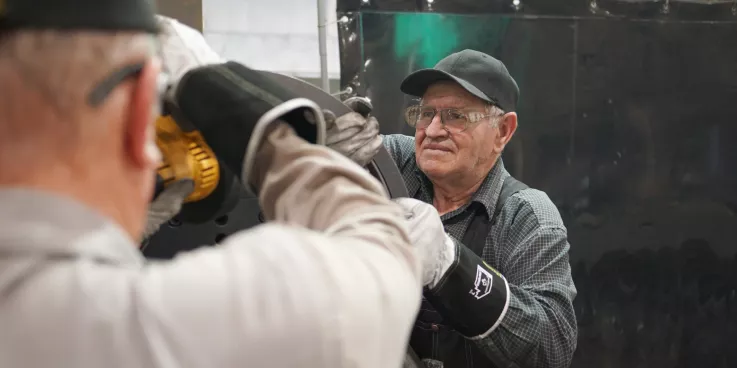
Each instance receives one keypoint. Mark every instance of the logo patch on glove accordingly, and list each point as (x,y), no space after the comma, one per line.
(482,285)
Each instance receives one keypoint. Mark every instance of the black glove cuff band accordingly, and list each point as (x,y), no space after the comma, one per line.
(472,296)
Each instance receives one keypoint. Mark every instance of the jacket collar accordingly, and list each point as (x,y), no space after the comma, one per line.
(40,224)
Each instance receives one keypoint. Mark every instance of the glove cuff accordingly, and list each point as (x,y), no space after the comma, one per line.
(472,296)
(280,114)
(446,260)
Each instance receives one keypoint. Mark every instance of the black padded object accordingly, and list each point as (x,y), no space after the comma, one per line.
(382,166)
(225,101)
(179,235)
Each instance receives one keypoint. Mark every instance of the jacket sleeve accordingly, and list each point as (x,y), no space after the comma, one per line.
(330,282)
(539,328)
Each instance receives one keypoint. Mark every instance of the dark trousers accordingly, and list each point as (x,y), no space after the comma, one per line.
(432,339)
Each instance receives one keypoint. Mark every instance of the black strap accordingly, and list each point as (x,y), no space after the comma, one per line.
(480,226)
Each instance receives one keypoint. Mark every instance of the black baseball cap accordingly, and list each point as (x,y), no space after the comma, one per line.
(480,74)
(93,15)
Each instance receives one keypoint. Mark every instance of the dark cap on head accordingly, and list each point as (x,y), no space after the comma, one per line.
(480,74)
(93,15)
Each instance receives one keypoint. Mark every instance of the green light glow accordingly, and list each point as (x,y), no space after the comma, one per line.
(428,36)
(423,39)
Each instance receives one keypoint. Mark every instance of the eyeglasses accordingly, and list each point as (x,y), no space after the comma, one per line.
(453,120)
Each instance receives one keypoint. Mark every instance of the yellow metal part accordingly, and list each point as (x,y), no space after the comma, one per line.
(186,156)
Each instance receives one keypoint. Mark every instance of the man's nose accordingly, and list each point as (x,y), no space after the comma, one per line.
(436,129)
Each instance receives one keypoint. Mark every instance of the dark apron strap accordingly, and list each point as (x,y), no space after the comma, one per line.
(475,239)
(443,342)
(480,226)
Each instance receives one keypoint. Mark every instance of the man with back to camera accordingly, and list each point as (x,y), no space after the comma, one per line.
(79,99)
(502,294)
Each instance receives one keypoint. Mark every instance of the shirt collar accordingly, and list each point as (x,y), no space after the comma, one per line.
(41,224)
(487,195)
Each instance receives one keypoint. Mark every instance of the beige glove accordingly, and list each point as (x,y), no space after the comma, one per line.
(354,135)
(166,206)
(436,249)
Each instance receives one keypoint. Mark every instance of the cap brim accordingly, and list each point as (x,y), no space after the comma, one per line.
(417,83)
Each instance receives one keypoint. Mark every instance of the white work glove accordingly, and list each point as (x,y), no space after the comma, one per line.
(166,206)
(183,48)
(356,134)
(437,249)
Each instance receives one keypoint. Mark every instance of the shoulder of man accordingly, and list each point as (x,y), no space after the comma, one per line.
(399,142)
(530,209)
(402,149)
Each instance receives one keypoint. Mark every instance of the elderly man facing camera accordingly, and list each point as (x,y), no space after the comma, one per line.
(501,293)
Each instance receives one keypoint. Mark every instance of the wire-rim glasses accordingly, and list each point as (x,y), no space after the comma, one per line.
(454,120)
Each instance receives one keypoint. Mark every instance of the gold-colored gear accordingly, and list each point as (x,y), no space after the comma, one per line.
(186,156)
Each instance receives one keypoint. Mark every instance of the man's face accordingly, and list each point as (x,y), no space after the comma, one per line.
(444,154)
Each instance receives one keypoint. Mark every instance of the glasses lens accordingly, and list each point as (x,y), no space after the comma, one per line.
(410,116)
(454,120)
(425,116)
(414,116)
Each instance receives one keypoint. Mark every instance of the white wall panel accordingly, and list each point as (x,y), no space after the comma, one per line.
(275,35)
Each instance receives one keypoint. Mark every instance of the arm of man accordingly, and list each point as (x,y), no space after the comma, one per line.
(536,327)
(283,295)
(539,328)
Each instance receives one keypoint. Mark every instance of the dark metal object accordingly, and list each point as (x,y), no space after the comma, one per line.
(178,235)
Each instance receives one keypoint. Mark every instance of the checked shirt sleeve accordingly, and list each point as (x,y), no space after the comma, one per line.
(401,148)
(539,328)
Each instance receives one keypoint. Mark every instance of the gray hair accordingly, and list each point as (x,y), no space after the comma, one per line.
(46,77)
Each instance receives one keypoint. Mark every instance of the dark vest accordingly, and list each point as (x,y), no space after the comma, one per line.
(434,341)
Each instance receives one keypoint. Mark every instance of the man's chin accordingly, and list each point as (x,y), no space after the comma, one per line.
(435,168)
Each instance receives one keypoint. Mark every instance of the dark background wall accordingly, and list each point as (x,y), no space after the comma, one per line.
(628,120)
(188,12)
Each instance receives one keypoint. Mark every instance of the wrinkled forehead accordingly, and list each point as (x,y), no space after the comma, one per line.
(446,94)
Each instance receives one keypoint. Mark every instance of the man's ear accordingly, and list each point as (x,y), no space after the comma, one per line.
(507,127)
(144,107)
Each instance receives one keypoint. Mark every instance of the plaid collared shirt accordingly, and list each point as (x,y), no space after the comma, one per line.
(529,246)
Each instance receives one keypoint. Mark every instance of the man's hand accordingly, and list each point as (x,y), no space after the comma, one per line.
(437,250)
(356,134)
